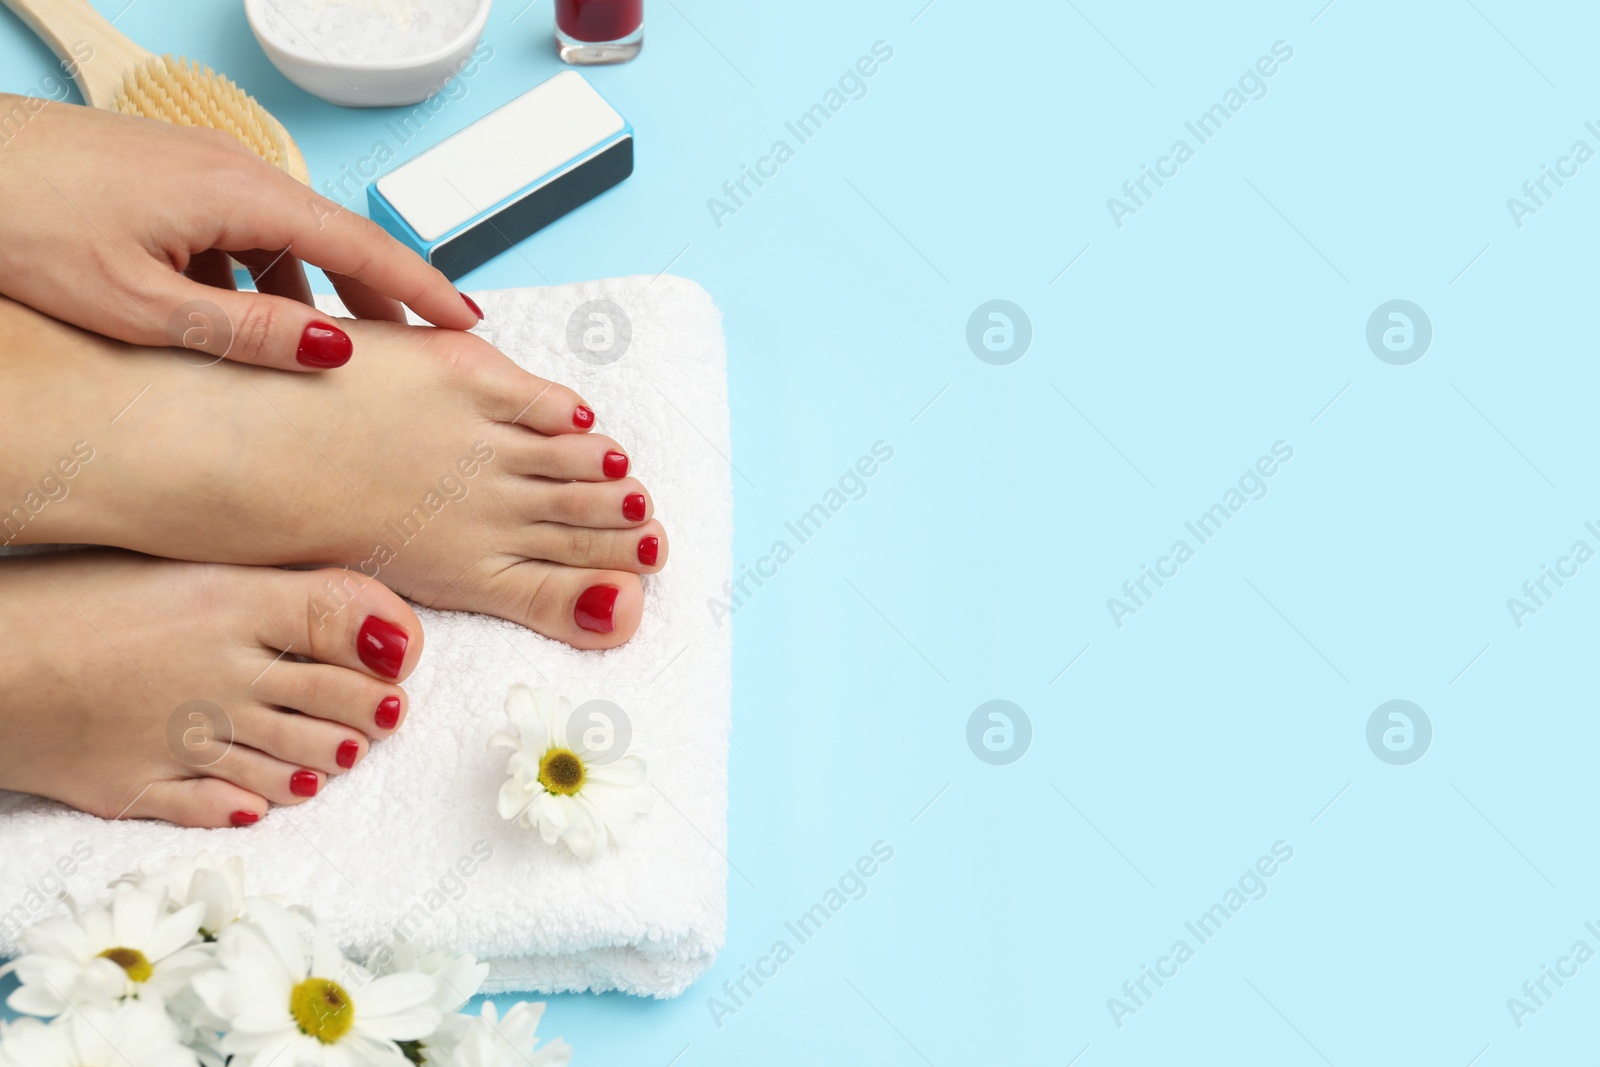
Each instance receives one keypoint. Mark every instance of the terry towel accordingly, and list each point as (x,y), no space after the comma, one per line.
(408,846)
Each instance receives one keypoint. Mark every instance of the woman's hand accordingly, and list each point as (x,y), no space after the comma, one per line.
(123,226)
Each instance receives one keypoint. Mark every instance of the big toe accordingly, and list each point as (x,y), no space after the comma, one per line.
(588,609)
(341,617)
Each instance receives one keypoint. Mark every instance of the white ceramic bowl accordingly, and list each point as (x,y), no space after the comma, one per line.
(368,82)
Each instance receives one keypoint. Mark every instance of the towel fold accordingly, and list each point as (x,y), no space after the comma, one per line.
(408,847)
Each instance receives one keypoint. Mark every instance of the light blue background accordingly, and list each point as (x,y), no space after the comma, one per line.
(1229,313)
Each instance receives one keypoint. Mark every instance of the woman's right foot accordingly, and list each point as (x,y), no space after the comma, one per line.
(200,694)
(431,462)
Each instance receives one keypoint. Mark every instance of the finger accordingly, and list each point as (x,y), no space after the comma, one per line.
(365,303)
(277,273)
(211,268)
(260,328)
(339,241)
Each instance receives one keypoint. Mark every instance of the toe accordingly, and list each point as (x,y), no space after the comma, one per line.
(343,618)
(590,457)
(208,803)
(599,505)
(642,550)
(512,395)
(585,608)
(288,736)
(335,694)
(277,781)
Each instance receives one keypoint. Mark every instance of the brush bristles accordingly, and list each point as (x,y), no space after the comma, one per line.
(185,93)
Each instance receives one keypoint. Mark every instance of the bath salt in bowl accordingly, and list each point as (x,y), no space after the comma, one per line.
(368,53)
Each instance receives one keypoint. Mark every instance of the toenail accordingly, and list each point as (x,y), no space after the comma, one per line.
(582,417)
(615,465)
(244,818)
(348,751)
(303,783)
(472,305)
(323,345)
(633,507)
(595,607)
(648,547)
(388,713)
(382,646)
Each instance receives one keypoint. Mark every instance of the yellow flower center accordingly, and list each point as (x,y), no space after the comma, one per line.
(322,1009)
(131,960)
(561,771)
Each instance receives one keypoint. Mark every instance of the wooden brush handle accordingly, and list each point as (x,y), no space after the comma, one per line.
(67,26)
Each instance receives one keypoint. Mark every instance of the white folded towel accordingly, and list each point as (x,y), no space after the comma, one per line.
(409,846)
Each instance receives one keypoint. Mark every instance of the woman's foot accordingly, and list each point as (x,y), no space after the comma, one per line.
(432,463)
(139,688)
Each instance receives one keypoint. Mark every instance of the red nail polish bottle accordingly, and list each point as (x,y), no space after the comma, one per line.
(590,32)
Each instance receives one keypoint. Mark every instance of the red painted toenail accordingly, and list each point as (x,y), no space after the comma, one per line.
(595,607)
(244,818)
(303,783)
(615,465)
(472,305)
(648,547)
(388,713)
(582,417)
(633,507)
(382,646)
(348,751)
(323,345)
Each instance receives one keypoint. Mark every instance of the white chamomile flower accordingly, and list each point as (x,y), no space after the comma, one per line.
(288,997)
(215,881)
(489,1041)
(133,1034)
(578,790)
(132,949)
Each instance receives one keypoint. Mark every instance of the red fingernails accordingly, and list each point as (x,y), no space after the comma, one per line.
(648,548)
(388,713)
(303,783)
(348,751)
(594,608)
(382,646)
(244,818)
(582,417)
(615,465)
(633,507)
(472,305)
(324,345)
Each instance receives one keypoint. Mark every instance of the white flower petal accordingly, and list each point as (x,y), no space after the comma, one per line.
(520,703)
(513,799)
(630,770)
(174,931)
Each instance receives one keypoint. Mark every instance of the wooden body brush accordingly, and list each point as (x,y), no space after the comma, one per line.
(118,75)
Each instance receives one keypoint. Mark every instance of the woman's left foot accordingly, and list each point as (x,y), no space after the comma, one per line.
(430,462)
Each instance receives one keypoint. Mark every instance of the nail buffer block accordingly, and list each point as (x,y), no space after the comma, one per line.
(516,170)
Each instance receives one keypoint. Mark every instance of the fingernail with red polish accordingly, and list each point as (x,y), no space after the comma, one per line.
(244,818)
(615,465)
(633,507)
(303,783)
(472,305)
(324,345)
(388,713)
(648,548)
(382,646)
(582,417)
(348,751)
(595,607)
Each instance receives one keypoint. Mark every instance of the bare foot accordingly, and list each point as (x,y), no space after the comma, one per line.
(140,688)
(433,463)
